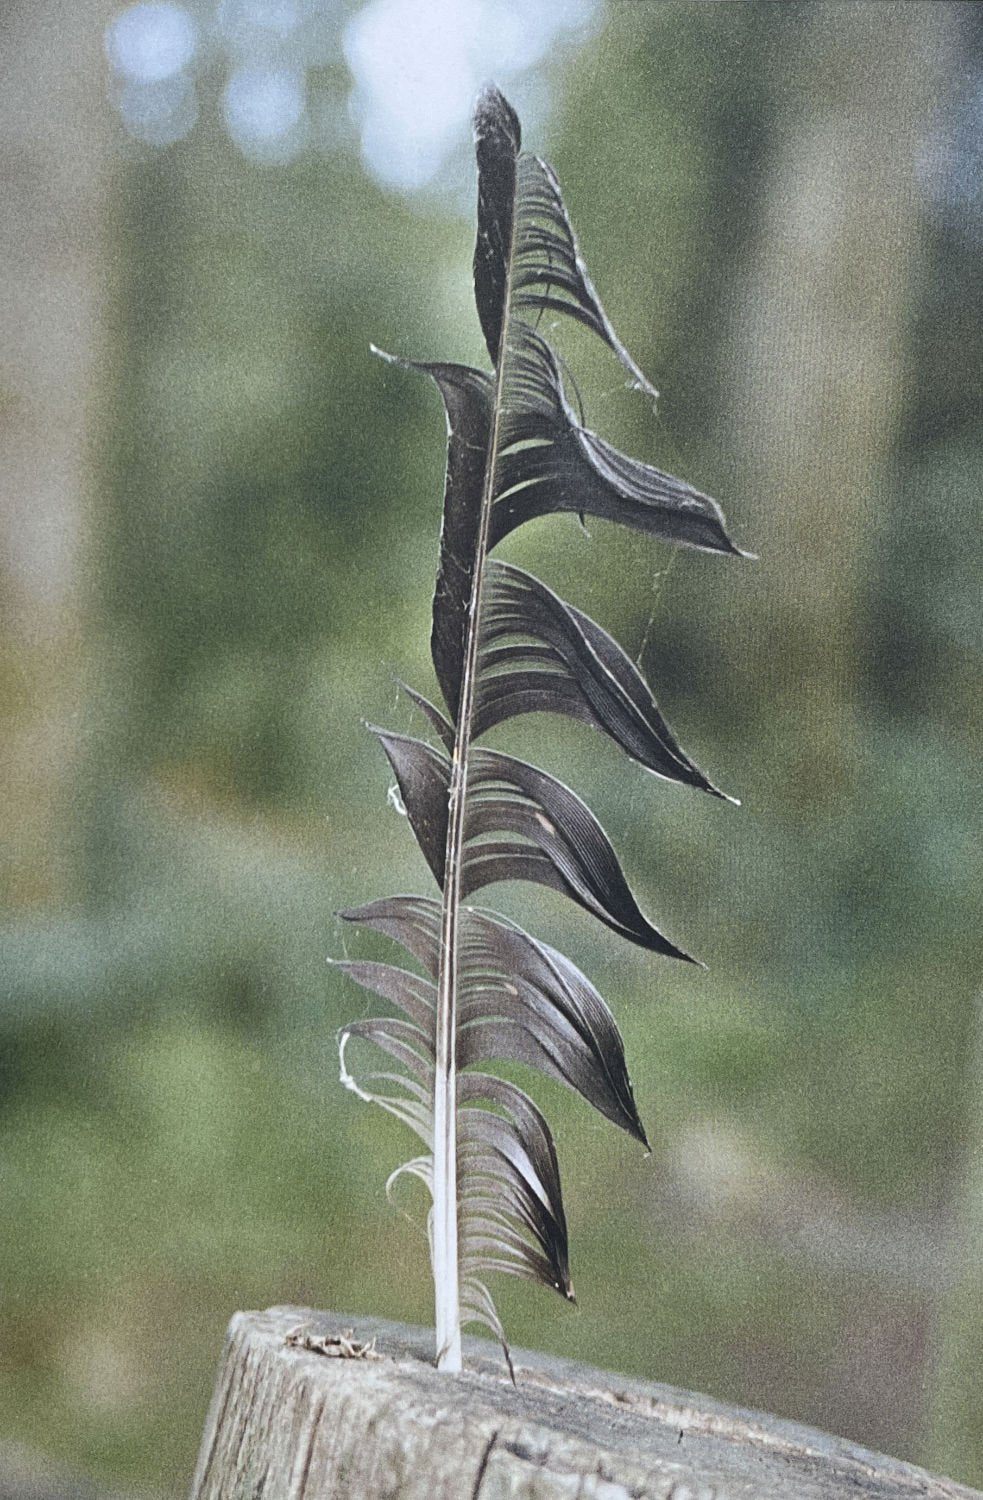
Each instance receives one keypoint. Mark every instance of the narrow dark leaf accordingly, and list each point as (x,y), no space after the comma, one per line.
(510,796)
(563,467)
(497,139)
(593,680)
(423,777)
(526,260)
(517,1151)
(549,273)
(523,1001)
(467,395)
(569,851)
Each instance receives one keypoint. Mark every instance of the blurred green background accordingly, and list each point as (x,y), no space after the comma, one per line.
(218,542)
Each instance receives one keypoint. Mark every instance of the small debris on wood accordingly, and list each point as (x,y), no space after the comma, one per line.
(332,1345)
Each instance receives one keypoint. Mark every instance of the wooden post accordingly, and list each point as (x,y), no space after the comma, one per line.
(290,1423)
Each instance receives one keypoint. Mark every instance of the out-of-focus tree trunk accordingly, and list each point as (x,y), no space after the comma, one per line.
(956,1408)
(819,359)
(55,126)
(819,370)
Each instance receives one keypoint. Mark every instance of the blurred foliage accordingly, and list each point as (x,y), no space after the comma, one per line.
(259,574)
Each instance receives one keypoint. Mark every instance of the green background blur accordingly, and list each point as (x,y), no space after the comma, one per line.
(218,542)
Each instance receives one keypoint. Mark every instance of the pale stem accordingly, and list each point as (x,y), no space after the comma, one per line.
(444,1248)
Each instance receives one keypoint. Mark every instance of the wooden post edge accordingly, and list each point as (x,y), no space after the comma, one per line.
(314,1406)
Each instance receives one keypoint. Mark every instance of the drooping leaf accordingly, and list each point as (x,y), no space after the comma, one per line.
(562,844)
(526,986)
(549,463)
(573,667)
(520,1001)
(515,1151)
(569,849)
(526,250)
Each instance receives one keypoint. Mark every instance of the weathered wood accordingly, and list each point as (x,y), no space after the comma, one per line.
(288,1424)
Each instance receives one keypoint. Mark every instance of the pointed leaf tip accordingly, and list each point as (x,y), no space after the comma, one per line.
(494,115)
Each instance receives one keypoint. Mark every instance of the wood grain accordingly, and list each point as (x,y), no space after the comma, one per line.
(289,1424)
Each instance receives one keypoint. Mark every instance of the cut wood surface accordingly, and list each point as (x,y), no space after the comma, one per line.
(288,1422)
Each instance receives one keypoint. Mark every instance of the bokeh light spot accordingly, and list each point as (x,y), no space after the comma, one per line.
(263,109)
(151,41)
(417,68)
